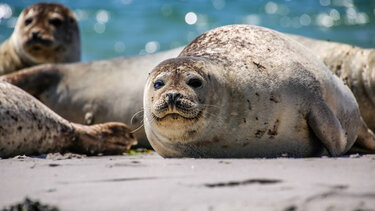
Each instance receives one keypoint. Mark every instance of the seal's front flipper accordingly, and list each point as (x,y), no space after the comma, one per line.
(327,128)
(365,143)
(107,138)
(34,80)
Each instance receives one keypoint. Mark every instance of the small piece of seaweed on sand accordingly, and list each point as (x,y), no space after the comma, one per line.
(30,205)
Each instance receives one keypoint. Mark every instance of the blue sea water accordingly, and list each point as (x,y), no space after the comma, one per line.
(112,28)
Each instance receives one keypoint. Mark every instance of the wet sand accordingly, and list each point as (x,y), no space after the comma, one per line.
(149,182)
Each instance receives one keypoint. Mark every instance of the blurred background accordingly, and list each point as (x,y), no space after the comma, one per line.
(113,28)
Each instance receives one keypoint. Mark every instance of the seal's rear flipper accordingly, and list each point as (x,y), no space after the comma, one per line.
(34,80)
(327,128)
(107,138)
(365,143)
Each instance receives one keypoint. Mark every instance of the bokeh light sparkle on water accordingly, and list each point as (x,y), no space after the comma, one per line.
(115,28)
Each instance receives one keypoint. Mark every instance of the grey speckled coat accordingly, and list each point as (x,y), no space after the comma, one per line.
(274,98)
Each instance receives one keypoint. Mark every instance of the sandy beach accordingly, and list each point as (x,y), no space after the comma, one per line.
(149,182)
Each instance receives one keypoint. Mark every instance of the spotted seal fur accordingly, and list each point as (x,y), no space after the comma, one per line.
(29,127)
(247,91)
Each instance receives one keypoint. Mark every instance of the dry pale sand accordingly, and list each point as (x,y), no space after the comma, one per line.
(149,182)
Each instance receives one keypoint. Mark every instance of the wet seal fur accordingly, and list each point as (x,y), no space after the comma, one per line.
(246,91)
(44,33)
(28,127)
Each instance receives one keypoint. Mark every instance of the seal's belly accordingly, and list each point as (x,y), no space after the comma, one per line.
(280,130)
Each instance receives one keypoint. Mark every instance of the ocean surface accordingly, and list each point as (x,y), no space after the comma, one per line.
(113,28)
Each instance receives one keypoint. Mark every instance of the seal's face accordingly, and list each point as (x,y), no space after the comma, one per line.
(47,32)
(177,95)
(175,98)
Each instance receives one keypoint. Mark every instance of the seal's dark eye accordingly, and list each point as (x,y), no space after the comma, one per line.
(194,82)
(158,84)
(28,21)
(56,22)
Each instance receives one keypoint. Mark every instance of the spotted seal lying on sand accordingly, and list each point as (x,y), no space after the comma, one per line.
(29,127)
(247,91)
(93,92)
(44,33)
(103,96)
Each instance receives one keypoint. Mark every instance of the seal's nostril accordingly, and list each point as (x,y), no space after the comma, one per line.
(35,33)
(173,97)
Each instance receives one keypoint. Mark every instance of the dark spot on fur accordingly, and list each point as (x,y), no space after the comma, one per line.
(259,66)
(338,67)
(244,120)
(245,144)
(192,132)
(216,139)
(256,118)
(19,128)
(248,104)
(256,93)
(203,143)
(274,99)
(225,146)
(274,130)
(259,133)
(14,118)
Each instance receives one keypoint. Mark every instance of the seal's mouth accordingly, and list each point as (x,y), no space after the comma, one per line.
(176,116)
(174,107)
(37,42)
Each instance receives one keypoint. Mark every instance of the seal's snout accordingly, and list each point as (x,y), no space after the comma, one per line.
(35,34)
(172,98)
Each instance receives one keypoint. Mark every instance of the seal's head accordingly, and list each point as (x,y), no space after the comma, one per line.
(177,102)
(47,33)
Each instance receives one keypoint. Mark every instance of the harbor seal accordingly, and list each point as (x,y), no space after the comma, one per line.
(246,91)
(95,100)
(112,90)
(28,127)
(44,33)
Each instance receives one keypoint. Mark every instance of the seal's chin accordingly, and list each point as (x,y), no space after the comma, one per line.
(43,51)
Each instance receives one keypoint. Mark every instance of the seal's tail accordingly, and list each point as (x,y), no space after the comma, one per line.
(106,138)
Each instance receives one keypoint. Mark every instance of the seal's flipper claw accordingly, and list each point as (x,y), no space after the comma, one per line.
(327,128)
(34,80)
(365,143)
(106,138)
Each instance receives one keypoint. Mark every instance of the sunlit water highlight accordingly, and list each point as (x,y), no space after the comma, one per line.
(115,28)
